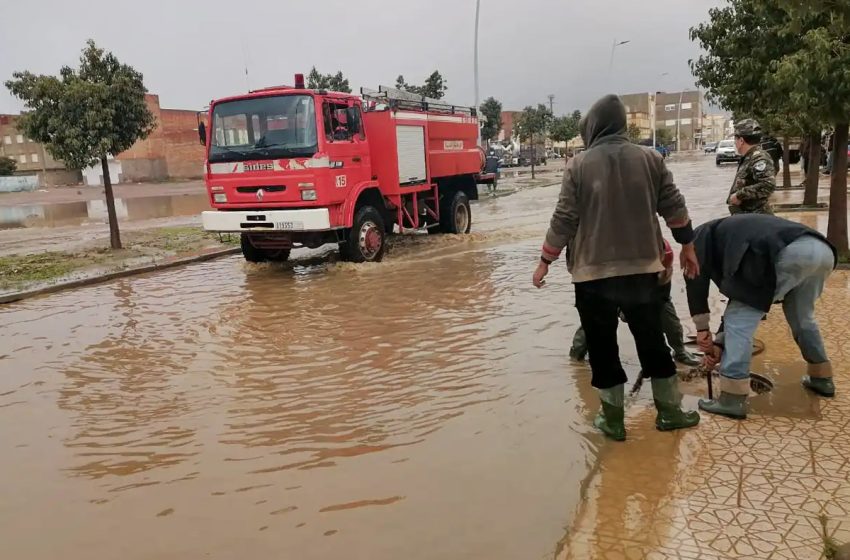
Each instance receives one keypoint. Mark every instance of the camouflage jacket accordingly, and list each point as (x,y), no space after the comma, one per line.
(754,182)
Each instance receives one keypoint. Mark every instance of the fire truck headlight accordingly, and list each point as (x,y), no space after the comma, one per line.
(220,198)
(308,194)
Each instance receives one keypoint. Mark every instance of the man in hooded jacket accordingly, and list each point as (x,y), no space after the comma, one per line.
(606,218)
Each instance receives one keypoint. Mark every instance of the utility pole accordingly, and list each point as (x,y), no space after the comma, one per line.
(551,103)
(679,123)
(477,13)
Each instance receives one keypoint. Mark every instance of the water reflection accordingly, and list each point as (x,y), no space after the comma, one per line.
(94,211)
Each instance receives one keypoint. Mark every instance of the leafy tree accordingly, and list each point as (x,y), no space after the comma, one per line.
(491,112)
(434,87)
(8,166)
(663,136)
(816,75)
(746,85)
(564,129)
(792,78)
(330,82)
(533,121)
(87,114)
(635,133)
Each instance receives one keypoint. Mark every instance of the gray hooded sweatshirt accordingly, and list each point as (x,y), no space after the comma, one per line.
(610,198)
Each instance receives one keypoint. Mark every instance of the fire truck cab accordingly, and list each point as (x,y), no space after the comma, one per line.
(290,167)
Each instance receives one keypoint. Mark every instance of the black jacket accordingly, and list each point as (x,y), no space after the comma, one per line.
(739,255)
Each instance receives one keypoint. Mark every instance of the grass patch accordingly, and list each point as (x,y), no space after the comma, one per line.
(19,271)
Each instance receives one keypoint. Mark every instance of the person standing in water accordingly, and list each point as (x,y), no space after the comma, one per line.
(607,219)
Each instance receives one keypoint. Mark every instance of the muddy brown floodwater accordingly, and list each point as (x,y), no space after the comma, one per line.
(420,408)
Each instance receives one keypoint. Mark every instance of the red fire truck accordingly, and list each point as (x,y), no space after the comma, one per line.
(290,167)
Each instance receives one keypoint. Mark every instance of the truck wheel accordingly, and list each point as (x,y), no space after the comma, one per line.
(256,255)
(251,253)
(455,214)
(367,238)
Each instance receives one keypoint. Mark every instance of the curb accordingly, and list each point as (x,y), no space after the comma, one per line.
(801,208)
(18,296)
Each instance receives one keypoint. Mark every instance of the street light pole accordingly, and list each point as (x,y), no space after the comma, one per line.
(654,111)
(613,49)
(477,13)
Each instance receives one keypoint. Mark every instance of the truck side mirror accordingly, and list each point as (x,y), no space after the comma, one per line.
(353,115)
(202,133)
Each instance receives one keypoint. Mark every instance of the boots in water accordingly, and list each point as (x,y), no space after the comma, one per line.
(611,417)
(819,379)
(732,401)
(668,403)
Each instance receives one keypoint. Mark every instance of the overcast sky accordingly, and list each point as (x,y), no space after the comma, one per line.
(191,51)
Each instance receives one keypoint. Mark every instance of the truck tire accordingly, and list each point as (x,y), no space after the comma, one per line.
(455,214)
(251,253)
(256,255)
(367,239)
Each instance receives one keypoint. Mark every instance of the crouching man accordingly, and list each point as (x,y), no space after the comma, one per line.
(757,260)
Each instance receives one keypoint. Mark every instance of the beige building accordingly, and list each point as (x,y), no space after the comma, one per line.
(715,127)
(31,157)
(680,113)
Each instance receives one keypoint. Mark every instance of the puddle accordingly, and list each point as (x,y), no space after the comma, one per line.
(94,211)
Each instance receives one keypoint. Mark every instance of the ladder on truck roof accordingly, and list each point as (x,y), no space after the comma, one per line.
(397,99)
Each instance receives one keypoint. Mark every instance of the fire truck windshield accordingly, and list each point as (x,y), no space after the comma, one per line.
(281,126)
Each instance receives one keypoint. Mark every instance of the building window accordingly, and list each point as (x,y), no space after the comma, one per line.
(22,158)
(34,158)
(686,122)
(670,107)
(20,138)
(7,139)
(686,106)
(670,122)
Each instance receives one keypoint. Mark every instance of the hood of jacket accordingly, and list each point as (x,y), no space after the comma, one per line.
(606,118)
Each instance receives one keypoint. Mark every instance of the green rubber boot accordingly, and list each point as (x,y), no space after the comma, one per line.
(727,404)
(668,403)
(823,386)
(578,350)
(611,417)
(819,379)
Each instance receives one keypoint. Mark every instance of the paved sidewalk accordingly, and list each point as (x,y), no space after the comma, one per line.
(754,489)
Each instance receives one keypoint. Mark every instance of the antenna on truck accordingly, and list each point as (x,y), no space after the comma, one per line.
(398,99)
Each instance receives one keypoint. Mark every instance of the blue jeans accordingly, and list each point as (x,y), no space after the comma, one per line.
(801,270)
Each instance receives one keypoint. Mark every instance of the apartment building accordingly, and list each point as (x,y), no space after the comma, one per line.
(680,113)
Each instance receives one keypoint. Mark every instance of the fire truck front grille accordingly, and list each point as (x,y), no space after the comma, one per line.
(270,189)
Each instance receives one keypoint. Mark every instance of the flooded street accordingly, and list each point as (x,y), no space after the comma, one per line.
(94,211)
(424,407)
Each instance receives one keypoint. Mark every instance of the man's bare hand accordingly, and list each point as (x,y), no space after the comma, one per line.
(712,358)
(688,260)
(734,200)
(705,342)
(540,274)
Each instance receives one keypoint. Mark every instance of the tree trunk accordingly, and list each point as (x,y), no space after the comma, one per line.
(114,234)
(810,196)
(837,229)
(533,154)
(786,164)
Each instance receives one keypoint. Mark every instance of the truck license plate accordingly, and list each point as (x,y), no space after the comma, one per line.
(289,226)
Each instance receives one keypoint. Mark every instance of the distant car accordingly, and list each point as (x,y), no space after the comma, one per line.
(726,153)
(711,147)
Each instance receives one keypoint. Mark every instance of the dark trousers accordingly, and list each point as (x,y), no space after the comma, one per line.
(599,320)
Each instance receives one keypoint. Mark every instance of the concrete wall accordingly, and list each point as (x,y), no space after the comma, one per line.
(59,177)
(171,150)
(93,176)
(142,170)
(18,183)
(184,152)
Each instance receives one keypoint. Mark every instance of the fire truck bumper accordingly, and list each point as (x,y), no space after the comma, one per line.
(314,219)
